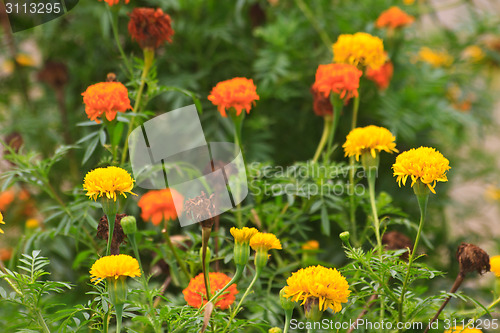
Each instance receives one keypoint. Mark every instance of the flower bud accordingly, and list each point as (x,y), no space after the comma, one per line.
(207,256)
(241,253)
(344,236)
(261,257)
(129,225)
(286,302)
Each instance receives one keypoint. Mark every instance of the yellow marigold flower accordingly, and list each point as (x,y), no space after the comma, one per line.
(25,60)
(243,235)
(409,2)
(114,266)
(1,222)
(495,265)
(325,284)
(310,245)
(394,18)
(265,241)
(435,58)
(108,182)
(32,223)
(493,193)
(424,164)
(460,329)
(473,53)
(371,139)
(360,49)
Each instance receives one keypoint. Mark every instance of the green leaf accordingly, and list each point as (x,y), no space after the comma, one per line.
(90,149)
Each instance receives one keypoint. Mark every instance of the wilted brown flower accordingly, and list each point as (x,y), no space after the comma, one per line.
(321,104)
(118,234)
(150,27)
(202,208)
(394,240)
(55,74)
(472,258)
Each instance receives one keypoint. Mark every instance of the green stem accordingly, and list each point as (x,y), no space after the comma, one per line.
(352,202)
(42,322)
(250,287)
(119,314)
(337,104)
(205,236)
(422,203)
(376,222)
(111,229)
(327,128)
(113,16)
(288,317)
(235,279)
(176,255)
(148,63)
(355,109)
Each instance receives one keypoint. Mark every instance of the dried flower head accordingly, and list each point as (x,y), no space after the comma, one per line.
(114,2)
(265,241)
(118,234)
(370,139)
(394,240)
(114,266)
(160,205)
(424,164)
(394,18)
(108,182)
(359,49)
(150,27)
(342,79)
(239,93)
(472,258)
(106,98)
(495,265)
(321,104)
(435,58)
(382,76)
(201,208)
(55,74)
(325,284)
(195,293)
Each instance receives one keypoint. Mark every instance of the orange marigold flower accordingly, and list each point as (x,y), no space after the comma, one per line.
(114,2)
(342,79)
(382,76)
(5,254)
(394,18)
(238,93)
(321,104)
(6,198)
(150,27)
(310,245)
(161,204)
(195,293)
(105,98)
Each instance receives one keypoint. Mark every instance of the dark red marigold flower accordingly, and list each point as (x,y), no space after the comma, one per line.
(150,27)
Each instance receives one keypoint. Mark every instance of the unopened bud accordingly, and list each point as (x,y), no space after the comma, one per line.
(129,225)
(344,236)
(286,302)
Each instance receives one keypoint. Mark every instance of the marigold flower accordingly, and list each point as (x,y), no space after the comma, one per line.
(32,223)
(195,293)
(1,222)
(495,265)
(243,235)
(473,53)
(394,18)
(360,49)
(435,58)
(5,254)
(382,76)
(372,139)
(108,182)
(342,79)
(238,93)
(161,204)
(460,329)
(424,164)
(325,284)
(114,266)
(310,245)
(493,193)
(6,198)
(150,27)
(105,98)
(114,2)
(265,241)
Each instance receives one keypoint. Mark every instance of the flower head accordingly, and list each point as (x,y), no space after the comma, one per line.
(325,284)
(382,76)
(265,241)
(114,2)
(360,49)
(5,254)
(106,98)
(495,265)
(243,235)
(114,266)
(394,18)
(342,79)
(473,53)
(195,293)
(238,93)
(150,27)
(1,222)
(424,164)
(460,329)
(310,245)
(6,198)
(435,58)
(32,223)
(160,205)
(108,182)
(370,139)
